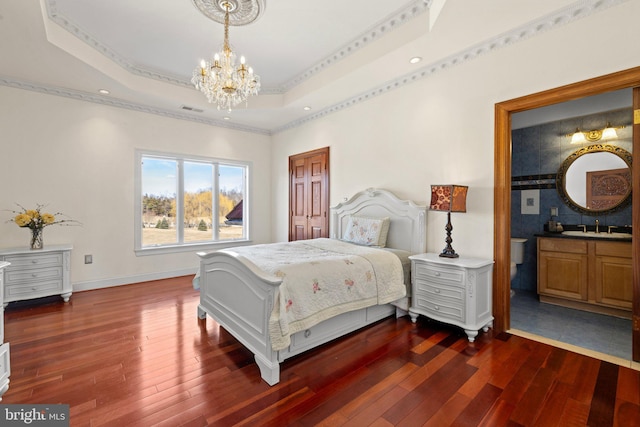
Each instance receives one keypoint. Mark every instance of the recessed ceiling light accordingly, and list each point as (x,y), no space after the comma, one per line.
(415,59)
(306,108)
(104,91)
(226,118)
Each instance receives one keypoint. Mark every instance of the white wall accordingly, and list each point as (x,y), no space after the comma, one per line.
(440,129)
(78,158)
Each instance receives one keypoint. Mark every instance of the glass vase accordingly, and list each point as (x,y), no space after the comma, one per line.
(36,238)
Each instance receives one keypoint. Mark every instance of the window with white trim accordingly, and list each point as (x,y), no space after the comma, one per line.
(186,201)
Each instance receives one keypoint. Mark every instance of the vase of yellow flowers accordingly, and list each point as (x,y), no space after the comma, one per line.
(36,220)
(36,238)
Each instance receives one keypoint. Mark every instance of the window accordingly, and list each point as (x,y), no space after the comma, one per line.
(187,201)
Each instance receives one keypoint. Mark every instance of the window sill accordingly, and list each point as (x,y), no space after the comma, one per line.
(194,247)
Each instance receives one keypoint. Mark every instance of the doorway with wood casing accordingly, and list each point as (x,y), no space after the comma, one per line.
(502,201)
(309,195)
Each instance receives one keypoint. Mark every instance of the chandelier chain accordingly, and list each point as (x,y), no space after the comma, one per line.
(227,48)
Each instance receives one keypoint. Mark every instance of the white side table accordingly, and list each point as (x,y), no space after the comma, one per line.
(37,273)
(456,291)
(5,365)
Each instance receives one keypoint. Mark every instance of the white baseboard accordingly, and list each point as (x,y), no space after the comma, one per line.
(128,280)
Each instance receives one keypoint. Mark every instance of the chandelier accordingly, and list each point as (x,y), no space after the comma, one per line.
(222,81)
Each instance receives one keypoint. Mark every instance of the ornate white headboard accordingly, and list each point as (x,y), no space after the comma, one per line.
(408,228)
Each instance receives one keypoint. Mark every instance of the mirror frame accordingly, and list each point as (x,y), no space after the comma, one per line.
(597,148)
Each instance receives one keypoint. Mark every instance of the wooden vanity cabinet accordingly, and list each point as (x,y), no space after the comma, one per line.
(587,274)
(614,274)
(563,268)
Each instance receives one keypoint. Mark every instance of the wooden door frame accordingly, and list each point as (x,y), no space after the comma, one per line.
(502,185)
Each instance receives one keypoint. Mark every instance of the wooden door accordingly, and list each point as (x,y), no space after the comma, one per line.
(309,195)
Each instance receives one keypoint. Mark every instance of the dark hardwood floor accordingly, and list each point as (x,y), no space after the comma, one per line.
(137,355)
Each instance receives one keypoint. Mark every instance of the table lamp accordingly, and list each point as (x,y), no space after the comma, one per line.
(449,198)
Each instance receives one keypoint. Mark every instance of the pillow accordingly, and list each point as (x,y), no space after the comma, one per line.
(367,231)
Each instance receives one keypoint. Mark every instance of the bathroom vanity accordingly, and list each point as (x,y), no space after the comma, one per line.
(587,272)
(588,266)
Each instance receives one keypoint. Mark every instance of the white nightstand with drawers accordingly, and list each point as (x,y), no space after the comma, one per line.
(36,273)
(5,365)
(452,290)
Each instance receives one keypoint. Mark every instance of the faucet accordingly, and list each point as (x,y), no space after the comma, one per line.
(609,228)
(584,228)
(597,226)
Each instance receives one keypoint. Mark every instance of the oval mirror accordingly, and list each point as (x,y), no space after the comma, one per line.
(596,180)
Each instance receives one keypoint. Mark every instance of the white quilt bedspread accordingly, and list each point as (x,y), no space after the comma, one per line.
(322,278)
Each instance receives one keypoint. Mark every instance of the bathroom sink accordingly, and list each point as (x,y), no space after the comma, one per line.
(601,235)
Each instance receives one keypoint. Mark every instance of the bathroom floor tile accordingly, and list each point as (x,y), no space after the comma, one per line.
(605,334)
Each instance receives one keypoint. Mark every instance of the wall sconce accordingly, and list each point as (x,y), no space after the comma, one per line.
(609,132)
(448,198)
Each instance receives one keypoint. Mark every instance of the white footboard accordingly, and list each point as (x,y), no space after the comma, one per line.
(240,297)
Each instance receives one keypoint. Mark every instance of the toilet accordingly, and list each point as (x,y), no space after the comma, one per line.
(517,256)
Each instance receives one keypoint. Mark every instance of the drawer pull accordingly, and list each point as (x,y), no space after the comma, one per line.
(437,274)
(34,275)
(307,333)
(34,261)
(437,291)
(436,307)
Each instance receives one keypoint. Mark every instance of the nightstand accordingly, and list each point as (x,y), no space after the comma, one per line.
(456,291)
(36,273)
(5,365)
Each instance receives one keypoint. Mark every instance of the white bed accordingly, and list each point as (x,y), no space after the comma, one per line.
(241,297)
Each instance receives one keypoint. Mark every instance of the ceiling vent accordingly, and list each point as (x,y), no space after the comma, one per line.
(195,110)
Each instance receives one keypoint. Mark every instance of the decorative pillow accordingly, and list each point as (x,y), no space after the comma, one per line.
(367,231)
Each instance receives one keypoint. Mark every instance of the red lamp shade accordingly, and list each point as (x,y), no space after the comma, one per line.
(449,198)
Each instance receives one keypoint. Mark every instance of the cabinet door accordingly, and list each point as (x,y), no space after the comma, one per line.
(613,282)
(563,275)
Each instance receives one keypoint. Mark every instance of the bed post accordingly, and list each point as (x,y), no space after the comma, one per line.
(269,371)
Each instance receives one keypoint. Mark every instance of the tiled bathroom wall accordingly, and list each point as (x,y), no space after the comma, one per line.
(538,152)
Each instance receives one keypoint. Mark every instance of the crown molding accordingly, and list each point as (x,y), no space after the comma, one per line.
(559,18)
(392,22)
(111,102)
(59,19)
(578,10)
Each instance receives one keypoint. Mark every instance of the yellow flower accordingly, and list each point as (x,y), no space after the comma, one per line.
(35,219)
(22,219)
(47,218)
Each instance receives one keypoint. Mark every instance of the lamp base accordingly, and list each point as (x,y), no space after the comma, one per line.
(448,252)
